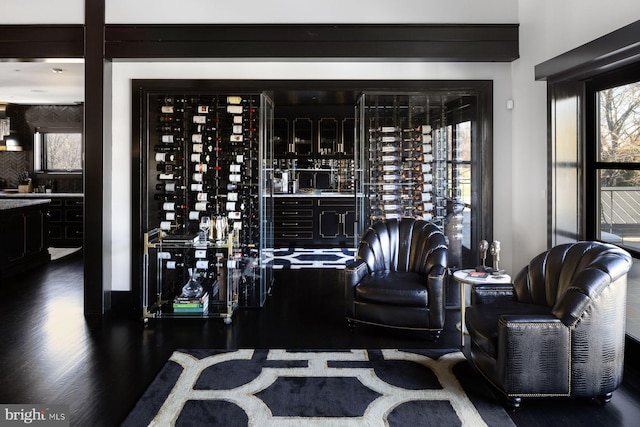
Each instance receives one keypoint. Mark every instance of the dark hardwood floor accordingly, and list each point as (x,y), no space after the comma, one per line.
(51,354)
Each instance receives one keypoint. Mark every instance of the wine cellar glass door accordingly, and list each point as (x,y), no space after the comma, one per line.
(206,216)
(265,191)
(406,163)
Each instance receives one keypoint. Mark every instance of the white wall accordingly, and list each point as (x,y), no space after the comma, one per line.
(21,12)
(119,201)
(547,28)
(310,11)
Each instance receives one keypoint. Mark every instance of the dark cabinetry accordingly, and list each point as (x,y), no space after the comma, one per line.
(322,131)
(293,221)
(66,222)
(336,219)
(23,233)
(314,221)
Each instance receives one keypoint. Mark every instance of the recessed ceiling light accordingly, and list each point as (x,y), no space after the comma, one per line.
(56,70)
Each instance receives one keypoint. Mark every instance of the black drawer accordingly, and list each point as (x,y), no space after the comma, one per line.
(341,202)
(73,232)
(73,215)
(293,235)
(293,224)
(292,202)
(54,215)
(281,213)
(55,232)
(74,202)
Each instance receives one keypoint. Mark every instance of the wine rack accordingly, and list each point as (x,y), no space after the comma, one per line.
(402,164)
(205,207)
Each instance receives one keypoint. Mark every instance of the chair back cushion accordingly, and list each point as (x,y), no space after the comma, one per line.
(407,244)
(570,276)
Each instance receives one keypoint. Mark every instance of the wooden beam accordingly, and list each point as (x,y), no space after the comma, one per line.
(424,42)
(96,298)
(616,49)
(41,41)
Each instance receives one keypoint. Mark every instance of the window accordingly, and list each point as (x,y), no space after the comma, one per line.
(613,173)
(617,165)
(58,152)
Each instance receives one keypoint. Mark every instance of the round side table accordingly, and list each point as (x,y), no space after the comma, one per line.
(463,277)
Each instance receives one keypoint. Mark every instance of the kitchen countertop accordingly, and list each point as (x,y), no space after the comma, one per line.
(14,195)
(7,204)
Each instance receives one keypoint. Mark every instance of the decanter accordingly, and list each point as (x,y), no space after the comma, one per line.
(193,288)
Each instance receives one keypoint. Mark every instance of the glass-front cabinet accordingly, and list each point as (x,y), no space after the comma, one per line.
(207,218)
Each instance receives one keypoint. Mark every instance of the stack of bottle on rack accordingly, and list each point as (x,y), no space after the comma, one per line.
(205,155)
(206,161)
(407,173)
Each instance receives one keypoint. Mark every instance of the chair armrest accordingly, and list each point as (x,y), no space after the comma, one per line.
(486,293)
(354,272)
(437,297)
(438,272)
(534,352)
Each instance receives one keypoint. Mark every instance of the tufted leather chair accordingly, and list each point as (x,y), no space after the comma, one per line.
(558,330)
(398,277)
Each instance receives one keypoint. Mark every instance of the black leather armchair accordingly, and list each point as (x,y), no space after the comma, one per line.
(398,278)
(558,330)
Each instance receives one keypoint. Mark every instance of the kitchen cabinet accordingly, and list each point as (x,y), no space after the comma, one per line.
(314,220)
(23,232)
(336,220)
(65,217)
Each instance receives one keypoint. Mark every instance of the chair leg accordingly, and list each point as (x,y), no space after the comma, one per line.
(434,335)
(513,402)
(351,324)
(604,398)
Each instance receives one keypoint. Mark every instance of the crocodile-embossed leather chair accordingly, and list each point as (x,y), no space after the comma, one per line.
(558,330)
(399,276)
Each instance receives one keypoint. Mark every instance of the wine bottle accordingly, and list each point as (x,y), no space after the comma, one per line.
(169,187)
(169,127)
(171,138)
(169,177)
(235,109)
(165,148)
(173,265)
(388,148)
(171,206)
(422,129)
(166,196)
(387,129)
(170,119)
(169,167)
(165,157)
(202,206)
(171,216)
(200,167)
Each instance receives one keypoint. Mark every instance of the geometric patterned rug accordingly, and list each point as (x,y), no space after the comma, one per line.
(299,258)
(317,389)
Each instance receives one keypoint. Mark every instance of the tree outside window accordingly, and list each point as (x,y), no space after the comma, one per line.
(61,152)
(618,164)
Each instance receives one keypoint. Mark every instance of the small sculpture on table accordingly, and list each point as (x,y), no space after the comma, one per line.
(483,247)
(495,253)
